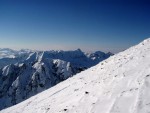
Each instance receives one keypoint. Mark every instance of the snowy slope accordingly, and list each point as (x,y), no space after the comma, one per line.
(120,84)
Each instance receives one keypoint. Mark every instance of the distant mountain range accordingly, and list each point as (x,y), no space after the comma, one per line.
(119,84)
(25,73)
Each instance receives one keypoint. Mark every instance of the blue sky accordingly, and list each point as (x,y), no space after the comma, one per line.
(107,25)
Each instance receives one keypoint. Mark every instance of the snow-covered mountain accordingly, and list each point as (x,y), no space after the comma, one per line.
(9,53)
(120,84)
(9,56)
(29,73)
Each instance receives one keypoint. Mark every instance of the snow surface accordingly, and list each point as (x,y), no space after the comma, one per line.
(120,84)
